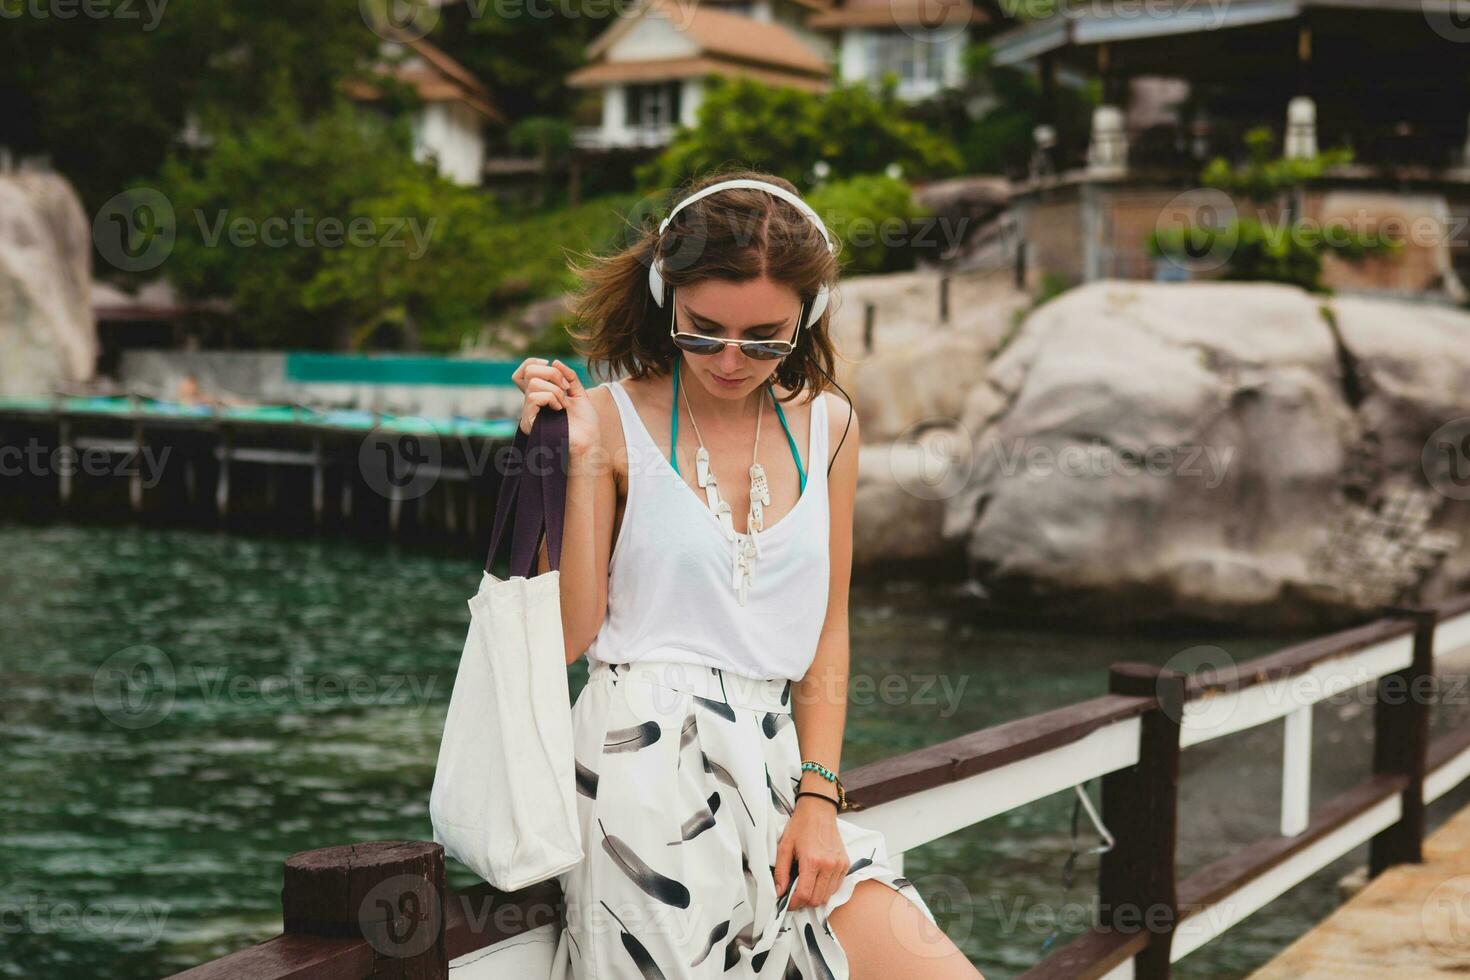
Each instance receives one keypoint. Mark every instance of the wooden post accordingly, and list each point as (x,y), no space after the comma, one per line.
(870,316)
(1137,888)
(944,298)
(222,487)
(64,471)
(135,478)
(1401,743)
(318,483)
(389,893)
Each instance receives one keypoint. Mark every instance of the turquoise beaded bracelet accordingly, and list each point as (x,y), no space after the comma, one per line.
(820,770)
(831,777)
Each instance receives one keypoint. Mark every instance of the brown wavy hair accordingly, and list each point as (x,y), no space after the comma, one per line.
(736,235)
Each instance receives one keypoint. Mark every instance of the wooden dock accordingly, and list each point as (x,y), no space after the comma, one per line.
(1412,921)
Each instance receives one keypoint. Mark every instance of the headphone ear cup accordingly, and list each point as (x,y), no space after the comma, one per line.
(656,281)
(819,305)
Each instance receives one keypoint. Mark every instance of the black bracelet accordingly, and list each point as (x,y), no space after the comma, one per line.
(812,792)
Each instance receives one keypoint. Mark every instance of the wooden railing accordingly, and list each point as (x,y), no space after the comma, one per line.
(382,908)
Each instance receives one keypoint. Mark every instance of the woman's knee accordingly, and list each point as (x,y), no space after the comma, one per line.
(887,937)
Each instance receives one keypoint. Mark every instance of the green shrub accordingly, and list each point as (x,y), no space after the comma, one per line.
(786,131)
(873,216)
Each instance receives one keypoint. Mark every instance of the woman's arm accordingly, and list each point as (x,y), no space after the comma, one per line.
(812,836)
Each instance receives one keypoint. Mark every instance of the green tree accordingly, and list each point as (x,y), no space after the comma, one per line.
(106,91)
(871,215)
(320,231)
(785,131)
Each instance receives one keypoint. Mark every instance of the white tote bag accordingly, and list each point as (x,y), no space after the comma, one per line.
(504,801)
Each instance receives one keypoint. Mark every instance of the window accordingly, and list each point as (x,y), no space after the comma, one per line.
(653,105)
(912,59)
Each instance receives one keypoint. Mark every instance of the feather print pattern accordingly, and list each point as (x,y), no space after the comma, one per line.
(700,822)
(689,873)
(780,802)
(716,934)
(659,886)
(586,782)
(718,707)
(632,739)
(820,969)
(642,958)
(723,775)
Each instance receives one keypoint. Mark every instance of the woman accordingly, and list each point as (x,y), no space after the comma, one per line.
(704,572)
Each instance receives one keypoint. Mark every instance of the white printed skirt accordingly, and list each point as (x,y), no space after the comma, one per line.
(685,781)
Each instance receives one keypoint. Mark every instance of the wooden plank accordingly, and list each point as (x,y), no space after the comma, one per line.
(482,916)
(1216,898)
(1091,956)
(985,750)
(1406,924)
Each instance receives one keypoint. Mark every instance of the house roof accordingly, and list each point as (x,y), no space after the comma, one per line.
(435,76)
(669,69)
(727,43)
(933,14)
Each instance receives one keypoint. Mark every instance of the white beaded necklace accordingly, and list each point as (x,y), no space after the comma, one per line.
(745,547)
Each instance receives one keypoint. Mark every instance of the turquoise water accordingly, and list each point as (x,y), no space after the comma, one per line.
(293,696)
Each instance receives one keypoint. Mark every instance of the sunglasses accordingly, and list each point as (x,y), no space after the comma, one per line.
(760,350)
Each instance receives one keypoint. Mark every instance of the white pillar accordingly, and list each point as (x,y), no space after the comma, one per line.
(1107,152)
(1301,128)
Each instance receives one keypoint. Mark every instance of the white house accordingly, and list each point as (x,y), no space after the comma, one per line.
(449,128)
(650,66)
(920,41)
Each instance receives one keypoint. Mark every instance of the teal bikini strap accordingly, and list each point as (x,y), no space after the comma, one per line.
(674,430)
(794,454)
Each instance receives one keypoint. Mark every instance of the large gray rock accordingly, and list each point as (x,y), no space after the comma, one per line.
(47,334)
(1147,450)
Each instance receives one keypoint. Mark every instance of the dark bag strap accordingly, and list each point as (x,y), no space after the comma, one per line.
(534,486)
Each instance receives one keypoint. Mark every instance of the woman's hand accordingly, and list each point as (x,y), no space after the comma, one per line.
(555,384)
(812,837)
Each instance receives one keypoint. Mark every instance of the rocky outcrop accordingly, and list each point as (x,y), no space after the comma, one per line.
(1240,452)
(47,332)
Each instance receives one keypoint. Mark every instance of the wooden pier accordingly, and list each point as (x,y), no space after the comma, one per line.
(1412,922)
(286,469)
(382,908)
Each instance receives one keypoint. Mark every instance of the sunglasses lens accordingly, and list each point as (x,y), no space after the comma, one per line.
(768,352)
(698,345)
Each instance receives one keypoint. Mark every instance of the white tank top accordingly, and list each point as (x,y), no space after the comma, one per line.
(670,589)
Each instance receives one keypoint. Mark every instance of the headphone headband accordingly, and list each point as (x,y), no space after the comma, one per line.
(762,185)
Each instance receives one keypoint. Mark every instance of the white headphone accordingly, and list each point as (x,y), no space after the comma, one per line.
(655,268)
